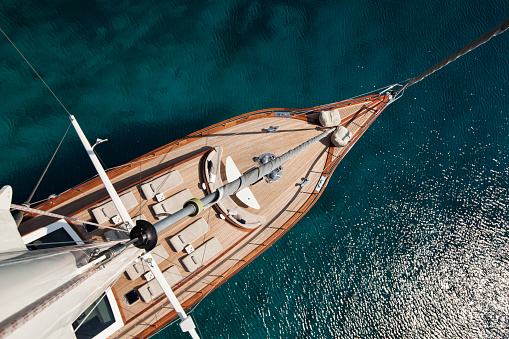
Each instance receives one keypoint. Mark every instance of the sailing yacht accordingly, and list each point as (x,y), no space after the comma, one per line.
(155,236)
(185,218)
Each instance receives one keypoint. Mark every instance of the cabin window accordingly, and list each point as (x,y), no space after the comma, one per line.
(99,322)
(57,238)
(58,234)
(96,318)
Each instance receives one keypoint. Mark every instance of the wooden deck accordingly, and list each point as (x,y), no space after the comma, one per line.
(282,202)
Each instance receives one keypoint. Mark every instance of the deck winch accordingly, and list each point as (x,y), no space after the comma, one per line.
(275,174)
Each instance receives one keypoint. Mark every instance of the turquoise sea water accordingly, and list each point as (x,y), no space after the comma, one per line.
(410,238)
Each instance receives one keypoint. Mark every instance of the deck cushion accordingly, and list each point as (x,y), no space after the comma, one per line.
(135,270)
(172,204)
(152,289)
(107,211)
(236,213)
(189,234)
(159,253)
(202,254)
(161,184)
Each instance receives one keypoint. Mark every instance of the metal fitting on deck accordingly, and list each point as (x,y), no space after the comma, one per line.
(198,206)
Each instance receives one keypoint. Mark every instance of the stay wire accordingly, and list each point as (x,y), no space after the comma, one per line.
(58,100)
(47,166)
(33,69)
(54,215)
(462,51)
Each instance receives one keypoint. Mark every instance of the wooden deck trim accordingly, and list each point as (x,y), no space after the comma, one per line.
(117,299)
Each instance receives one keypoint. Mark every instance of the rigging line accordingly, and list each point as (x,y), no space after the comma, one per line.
(186,147)
(42,200)
(153,306)
(199,332)
(179,149)
(47,166)
(168,324)
(141,178)
(71,243)
(98,302)
(98,157)
(223,278)
(378,90)
(152,302)
(32,210)
(168,260)
(33,69)
(462,51)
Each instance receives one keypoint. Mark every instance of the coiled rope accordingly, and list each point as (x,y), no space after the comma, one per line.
(462,51)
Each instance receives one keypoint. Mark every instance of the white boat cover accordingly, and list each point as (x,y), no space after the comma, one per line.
(10,241)
(329,118)
(341,136)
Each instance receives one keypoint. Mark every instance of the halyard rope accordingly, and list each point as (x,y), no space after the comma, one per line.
(61,104)
(9,325)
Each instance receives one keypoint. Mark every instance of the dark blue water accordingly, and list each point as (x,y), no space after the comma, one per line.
(409,239)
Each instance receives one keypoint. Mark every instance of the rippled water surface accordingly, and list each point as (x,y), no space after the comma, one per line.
(409,239)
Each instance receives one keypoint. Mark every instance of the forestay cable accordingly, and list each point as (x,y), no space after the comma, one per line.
(471,46)
(46,169)
(33,69)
